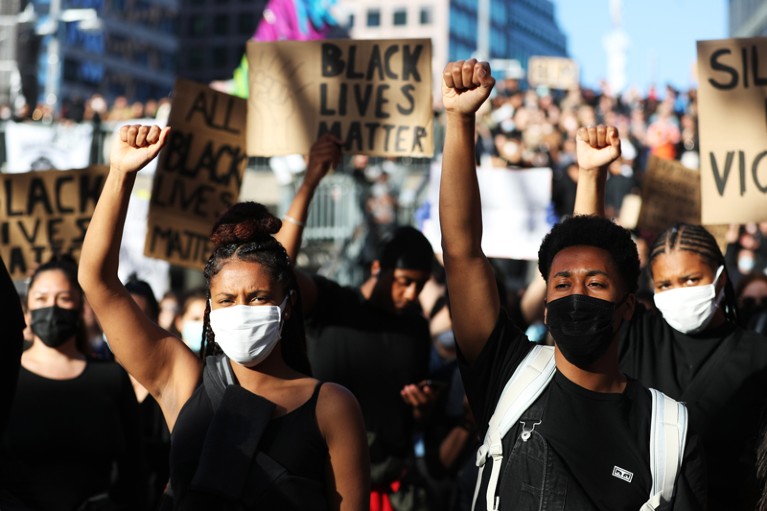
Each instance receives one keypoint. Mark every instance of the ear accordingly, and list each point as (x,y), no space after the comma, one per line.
(629,306)
(292,301)
(375,268)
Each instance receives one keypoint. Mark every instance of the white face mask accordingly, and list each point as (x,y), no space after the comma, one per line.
(690,309)
(247,334)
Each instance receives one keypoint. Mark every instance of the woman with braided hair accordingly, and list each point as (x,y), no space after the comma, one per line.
(250,428)
(693,349)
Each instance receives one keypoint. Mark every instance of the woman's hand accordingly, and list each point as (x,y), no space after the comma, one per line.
(135,146)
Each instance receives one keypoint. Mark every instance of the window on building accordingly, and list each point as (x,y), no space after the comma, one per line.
(350,22)
(197,26)
(374,18)
(246,24)
(400,17)
(221,24)
(427,17)
(221,56)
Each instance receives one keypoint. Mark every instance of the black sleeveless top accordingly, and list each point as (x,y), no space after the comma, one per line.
(228,453)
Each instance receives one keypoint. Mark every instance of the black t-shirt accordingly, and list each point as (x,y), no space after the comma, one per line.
(721,375)
(374,354)
(64,436)
(592,433)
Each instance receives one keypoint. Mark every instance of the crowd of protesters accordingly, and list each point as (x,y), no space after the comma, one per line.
(395,340)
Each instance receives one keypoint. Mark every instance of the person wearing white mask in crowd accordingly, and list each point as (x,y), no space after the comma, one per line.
(694,350)
(250,428)
(190,321)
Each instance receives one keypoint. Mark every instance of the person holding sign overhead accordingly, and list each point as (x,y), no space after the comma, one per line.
(250,428)
(692,347)
(563,427)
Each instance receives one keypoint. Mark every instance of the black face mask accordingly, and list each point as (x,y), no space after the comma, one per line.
(582,327)
(54,325)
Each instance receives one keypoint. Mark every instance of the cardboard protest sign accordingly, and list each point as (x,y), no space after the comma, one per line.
(514,210)
(374,95)
(45,213)
(198,175)
(554,72)
(671,194)
(732,106)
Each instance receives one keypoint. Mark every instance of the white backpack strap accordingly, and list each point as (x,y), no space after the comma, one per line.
(525,386)
(668,435)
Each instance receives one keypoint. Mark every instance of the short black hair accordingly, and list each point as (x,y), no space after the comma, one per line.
(593,231)
(407,249)
(138,287)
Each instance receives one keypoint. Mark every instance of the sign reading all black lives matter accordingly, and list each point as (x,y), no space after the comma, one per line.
(376,95)
(199,173)
(44,214)
(732,106)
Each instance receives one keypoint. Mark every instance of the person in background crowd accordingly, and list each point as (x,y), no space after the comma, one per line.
(156,434)
(73,419)
(251,429)
(189,322)
(693,349)
(751,296)
(374,340)
(168,312)
(10,359)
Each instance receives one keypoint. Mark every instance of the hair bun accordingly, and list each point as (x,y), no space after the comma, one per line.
(244,222)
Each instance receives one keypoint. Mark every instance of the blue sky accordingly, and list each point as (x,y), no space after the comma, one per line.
(661,34)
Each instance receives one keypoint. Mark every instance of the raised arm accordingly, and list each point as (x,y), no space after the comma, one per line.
(596,148)
(474,297)
(324,155)
(158,360)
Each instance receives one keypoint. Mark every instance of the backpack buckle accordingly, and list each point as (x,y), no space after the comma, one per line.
(527,431)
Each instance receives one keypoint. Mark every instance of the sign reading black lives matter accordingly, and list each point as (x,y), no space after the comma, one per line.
(375,95)
(732,106)
(199,173)
(46,213)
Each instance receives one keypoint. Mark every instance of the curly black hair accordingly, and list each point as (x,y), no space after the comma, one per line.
(245,232)
(593,231)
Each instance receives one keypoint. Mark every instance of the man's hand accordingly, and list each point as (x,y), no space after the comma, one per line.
(466,84)
(324,155)
(135,146)
(597,147)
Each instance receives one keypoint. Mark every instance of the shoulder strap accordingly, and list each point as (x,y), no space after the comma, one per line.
(525,386)
(668,435)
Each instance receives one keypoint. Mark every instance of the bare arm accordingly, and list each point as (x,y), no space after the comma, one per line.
(325,154)
(470,278)
(341,423)
(596,148)
(158,360)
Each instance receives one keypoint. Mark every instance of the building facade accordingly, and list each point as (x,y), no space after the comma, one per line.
(501,30)
(748,18)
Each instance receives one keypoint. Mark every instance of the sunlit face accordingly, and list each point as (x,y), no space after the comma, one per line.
(584,270)
(680,268)
(51,288)
(245,283)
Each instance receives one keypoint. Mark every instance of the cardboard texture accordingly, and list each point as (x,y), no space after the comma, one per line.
(732,105)
(46,213)
(199,173)
(375,95)
(671,194)
(553,72)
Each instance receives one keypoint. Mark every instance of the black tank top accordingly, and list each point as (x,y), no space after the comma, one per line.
(287,471)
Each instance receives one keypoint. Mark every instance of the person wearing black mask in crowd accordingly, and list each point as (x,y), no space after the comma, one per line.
(73,419)
(583,444)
